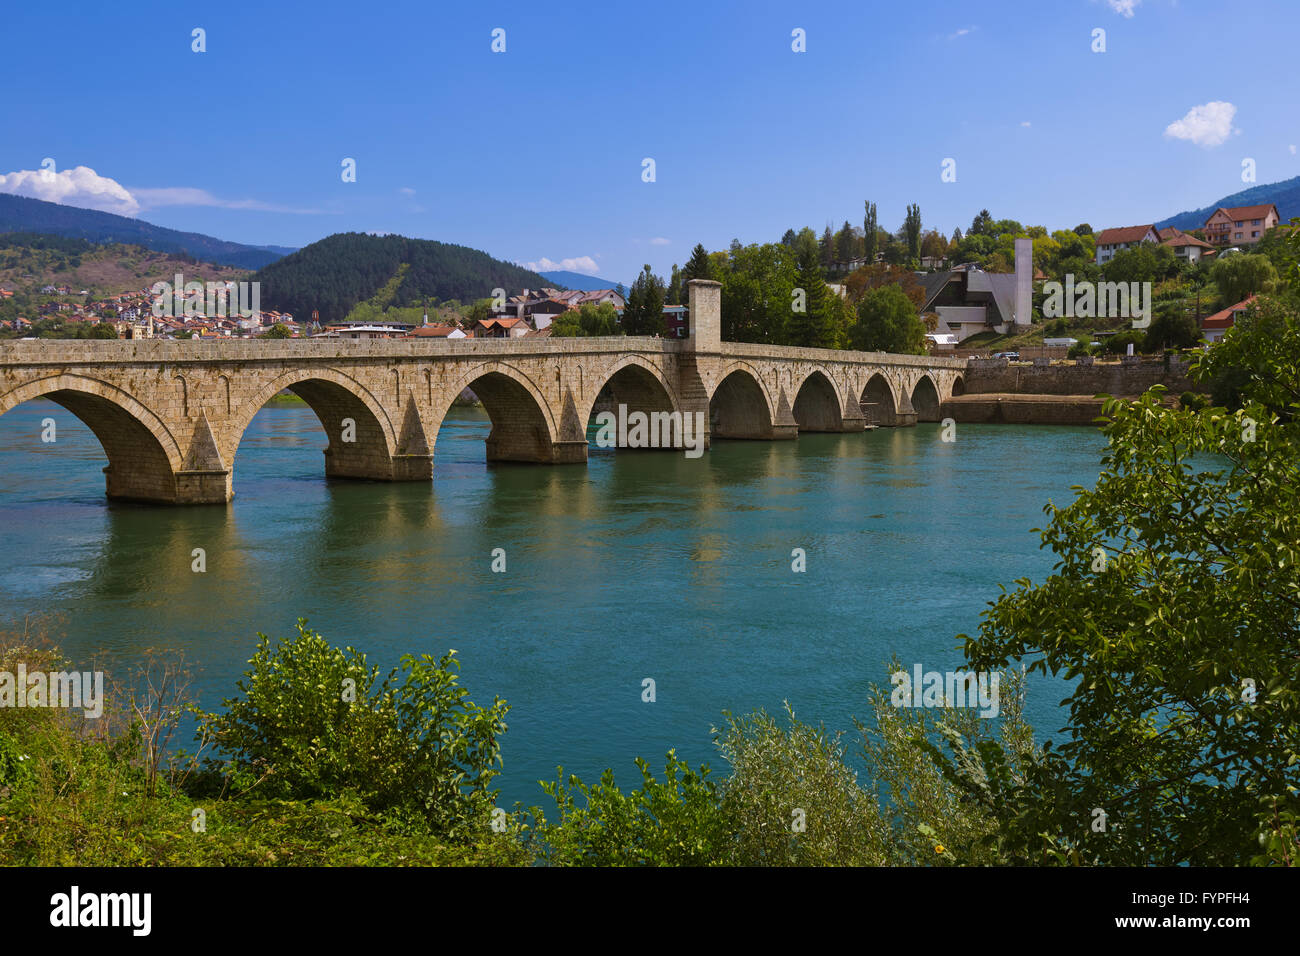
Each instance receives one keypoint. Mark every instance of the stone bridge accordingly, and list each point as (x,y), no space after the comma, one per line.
(170,414)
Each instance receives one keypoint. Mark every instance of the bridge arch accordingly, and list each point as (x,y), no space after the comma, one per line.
(879,404)
(925,399)
(740,407)
(523,422)
(362,442)
(640,386)
(818,406)
(143,455)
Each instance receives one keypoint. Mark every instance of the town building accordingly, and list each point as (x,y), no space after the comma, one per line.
(1240,225)
(1112,241)
(1185,247)
(1213,327)
(969,300)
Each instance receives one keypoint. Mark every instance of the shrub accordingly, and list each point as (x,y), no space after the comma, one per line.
(792,801)
(674,822)
(314,722)
(1118,344)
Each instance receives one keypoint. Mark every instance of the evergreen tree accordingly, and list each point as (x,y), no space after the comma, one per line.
(644,314)
(846,243)
(676,288)
(634,308)
(828,247)
(789,238)
(699,266)
(817,325)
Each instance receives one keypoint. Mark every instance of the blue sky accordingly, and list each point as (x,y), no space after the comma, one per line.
(536,153)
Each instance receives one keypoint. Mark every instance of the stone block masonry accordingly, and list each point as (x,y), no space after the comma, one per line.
(170,414)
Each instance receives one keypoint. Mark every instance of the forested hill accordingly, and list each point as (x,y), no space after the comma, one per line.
(337,272)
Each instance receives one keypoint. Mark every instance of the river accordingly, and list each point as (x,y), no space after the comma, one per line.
(640,565)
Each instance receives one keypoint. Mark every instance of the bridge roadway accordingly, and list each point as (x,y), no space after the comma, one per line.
(170,414)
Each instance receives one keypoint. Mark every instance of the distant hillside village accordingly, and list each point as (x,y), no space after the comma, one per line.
(991,291)
(199,315)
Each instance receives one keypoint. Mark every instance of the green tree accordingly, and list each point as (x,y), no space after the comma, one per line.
(982,224)
(1242,275)
(587,320)
(1173,613)
(697,267)
(1145,262)
(912,231)
(870,228)
(675,287)
(888,322)
(756,294)
(1171,328)
(277,331)
(813,326)
(644,314)
(846,243)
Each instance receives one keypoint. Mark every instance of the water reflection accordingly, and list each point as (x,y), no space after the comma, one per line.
(639,564)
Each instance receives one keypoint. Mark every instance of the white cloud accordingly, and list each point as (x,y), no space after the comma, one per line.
(406,191)
(960,33)
(79,186)
(1025,123)
(1206,125)
(190,196)
(1124,8)
(1292,148)
(660,241)
(584,264)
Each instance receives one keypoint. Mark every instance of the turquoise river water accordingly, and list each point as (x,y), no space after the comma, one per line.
(641,564)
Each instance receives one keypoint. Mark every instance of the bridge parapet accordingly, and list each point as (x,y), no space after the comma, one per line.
(170,414)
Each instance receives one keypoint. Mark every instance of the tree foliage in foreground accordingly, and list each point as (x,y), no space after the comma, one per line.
(1175,610)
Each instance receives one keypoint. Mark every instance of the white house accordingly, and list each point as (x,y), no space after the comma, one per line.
(1111,241)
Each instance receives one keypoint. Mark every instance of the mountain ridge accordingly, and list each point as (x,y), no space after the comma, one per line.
(23,214)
